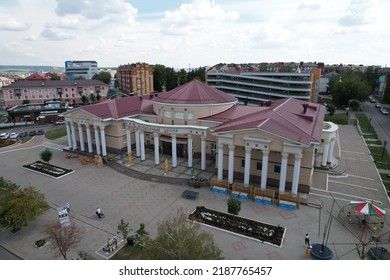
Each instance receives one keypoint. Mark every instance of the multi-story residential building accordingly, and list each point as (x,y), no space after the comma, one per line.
(251,86)
(24,91)
(80,68)
(135,79)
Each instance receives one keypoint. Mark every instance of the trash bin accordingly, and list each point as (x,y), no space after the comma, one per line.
(130,240)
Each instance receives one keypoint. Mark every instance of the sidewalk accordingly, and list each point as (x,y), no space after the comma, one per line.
(138,201)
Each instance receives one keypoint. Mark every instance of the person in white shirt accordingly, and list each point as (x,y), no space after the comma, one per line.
(99,212)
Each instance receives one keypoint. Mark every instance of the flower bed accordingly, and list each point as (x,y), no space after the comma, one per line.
(48,169)
(265,233)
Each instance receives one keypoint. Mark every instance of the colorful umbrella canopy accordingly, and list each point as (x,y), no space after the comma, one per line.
(370,208)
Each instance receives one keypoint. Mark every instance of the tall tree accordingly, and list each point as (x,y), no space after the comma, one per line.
(21,206)
(159,77)
(350,87)
(181,239)
(63,237)
(103,76)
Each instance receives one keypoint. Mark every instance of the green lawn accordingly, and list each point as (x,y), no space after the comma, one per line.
(340,118)
(54,134)
(128,252)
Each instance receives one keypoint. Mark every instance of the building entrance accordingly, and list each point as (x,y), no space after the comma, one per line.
(167,149)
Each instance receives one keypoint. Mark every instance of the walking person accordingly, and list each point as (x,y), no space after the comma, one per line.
(307,240)
(99,212)
(67,205)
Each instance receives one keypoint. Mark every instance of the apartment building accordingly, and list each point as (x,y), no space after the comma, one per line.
(135,79)
(76,69)
(24,91)
(250,86)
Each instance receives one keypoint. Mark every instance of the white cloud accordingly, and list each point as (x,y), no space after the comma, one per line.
(360,12)
(199,15)
(56,34)
(11,24)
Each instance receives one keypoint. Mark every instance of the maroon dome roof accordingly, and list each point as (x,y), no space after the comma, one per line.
(195,92)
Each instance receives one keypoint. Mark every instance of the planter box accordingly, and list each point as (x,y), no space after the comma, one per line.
(265,233)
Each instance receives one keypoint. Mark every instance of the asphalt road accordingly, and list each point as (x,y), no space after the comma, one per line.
(7,255)
(380,122)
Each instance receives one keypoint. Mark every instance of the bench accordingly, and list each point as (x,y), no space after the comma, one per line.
(220,190)
(263,196)
(287,204)
(190,194)
(219,186)
(241,191)
(263,199)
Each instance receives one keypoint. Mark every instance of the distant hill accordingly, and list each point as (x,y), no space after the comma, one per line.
(9,69)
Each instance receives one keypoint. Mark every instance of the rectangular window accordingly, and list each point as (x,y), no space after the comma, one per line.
(190,115)
(243,163)
(277,168)
(167,114)
(259,165)
(179,115)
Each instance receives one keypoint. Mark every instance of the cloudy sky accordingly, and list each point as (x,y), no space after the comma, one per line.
(193,33)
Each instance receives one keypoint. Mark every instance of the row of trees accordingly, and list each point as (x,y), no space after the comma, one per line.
(350,88)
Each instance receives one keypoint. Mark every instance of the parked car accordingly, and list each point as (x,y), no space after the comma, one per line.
(378,105)
(4,135)
(13,135)
(60,122)
(40,132)
(32,133)
(372,99)
(384,111)
(23,134)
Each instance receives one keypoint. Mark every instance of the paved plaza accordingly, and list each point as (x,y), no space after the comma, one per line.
(138,201)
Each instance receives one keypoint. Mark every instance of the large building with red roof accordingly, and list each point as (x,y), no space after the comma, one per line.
(270,146)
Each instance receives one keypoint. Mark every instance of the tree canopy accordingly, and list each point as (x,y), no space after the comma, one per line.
(181,239)
(103,76)
(19,206)
(349,87)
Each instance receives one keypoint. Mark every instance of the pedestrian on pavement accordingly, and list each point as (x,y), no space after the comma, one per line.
(67,205)
(307,252)
(307,240)
(99,212)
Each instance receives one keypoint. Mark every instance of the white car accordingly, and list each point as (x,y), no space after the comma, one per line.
(384,111)
(4,135)
(13,135)
(60,122)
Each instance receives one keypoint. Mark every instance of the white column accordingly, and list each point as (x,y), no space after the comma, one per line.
(156,149)
(89,140)
(128,139)
(297,168)
(69,134)
(142,144)
(103,138)
(220,161)
(73,136)
(247,171)
(189,150)
(325,153)
(97,139)
(137,146)
(283,172)
(81,137)
(264,169)
(174,153)
(330,153)
(203,153)
(231,164)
